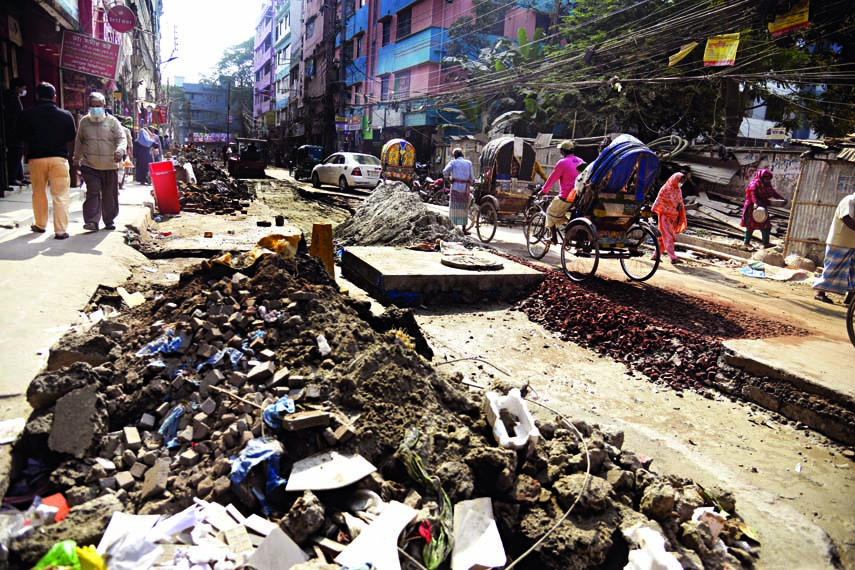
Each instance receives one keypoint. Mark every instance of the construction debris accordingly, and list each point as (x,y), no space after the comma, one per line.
(720,215)
(178,426)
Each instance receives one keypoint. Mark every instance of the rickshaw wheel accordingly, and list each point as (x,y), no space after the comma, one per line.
(580,253)
(537,236)
(642,264)
(488,221)
(850,321)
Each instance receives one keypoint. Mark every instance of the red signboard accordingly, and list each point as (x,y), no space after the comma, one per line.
(121,18)
(87,55)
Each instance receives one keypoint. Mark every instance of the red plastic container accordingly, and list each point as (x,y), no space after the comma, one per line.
(163,166)
(165,190)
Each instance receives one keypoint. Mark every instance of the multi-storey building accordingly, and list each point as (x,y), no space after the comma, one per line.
(263,64)
(200,114)
(282,62)
(373,78)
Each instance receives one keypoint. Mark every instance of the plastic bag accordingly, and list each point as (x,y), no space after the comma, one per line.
(272,413)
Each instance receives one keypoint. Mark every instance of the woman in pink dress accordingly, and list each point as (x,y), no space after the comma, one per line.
(671,214)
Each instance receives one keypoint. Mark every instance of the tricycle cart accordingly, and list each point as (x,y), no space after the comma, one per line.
(609,218)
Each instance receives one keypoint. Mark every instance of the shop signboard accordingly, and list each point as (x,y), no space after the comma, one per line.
(121,18)
(87,55)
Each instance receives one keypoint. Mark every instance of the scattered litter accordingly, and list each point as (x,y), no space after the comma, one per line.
(150,269)
(328,470)
(378,544)
(650,553)
(477,543)
(10,430)
(509,414)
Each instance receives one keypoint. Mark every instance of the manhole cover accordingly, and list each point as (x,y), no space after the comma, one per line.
(471,262)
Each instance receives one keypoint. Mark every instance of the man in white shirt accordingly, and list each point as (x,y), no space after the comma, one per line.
(838,275)
(462,176)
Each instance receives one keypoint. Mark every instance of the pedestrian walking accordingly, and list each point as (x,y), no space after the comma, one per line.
(48,133)
(757,195)
(12,108)
(127,125)
(565,173)
(100,145)
(838,273)
(143,154)
(462,176)
(670,214)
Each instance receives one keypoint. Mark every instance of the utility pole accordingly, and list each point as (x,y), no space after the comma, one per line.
(329,132)
(229,112)
(342,69)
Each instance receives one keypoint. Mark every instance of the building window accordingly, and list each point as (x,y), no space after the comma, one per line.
(357,94)
(360,47)
(310,28)
(405,21)
(402,85)
(384,88)
(387,32)
(348,52)
(310,68)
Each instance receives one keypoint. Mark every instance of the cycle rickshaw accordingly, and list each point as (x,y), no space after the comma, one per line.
(609,218)
(508,166)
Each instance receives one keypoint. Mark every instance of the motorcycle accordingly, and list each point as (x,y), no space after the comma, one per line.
(433,191)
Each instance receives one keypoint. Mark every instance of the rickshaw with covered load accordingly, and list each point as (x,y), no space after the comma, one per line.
(610,215)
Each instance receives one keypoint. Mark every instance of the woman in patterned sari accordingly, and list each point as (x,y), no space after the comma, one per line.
(671,214)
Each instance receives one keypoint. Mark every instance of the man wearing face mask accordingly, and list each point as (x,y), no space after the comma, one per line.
(12,108)
(99,147)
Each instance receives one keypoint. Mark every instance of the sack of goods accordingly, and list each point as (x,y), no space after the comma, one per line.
(760,214)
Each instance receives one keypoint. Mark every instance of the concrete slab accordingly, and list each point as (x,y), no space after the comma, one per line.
(404,277)
(814,365)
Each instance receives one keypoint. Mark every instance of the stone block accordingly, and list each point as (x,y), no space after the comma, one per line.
(124,480)
(279,378)
(138,470)
(189,458)
(344,433)
(266,355)
(237,379)
(147,421)
(261,372)
(107,483)
(78,422)
(201,431)
(296,382)
(132,438)
(214,377)
(155,480)
(209,406)
(305,420)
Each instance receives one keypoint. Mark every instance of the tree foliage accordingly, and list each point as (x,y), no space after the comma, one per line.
(236,63)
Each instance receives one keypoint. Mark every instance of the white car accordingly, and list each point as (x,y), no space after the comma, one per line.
(348,170)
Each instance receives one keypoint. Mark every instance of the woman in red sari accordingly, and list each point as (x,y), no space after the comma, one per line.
(758,193)
(671,214)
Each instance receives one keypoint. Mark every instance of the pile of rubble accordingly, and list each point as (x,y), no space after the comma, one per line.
(223,197)
(394,215)
(264,415)
(668,336)
(721,215)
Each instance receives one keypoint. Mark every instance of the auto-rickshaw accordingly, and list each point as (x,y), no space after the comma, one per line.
(305,159)
(248,162)
(398,157)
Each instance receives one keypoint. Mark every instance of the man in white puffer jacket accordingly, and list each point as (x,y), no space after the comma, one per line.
(100,146)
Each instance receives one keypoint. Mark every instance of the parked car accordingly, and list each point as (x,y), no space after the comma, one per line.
(348,170)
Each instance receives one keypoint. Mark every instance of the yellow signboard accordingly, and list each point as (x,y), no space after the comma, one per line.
(795,19)
(721,50)
(684,51)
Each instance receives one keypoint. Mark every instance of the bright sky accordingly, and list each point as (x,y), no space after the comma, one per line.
(203,29)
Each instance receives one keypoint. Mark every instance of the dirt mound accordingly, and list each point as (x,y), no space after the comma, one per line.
(226,363)
(393,215)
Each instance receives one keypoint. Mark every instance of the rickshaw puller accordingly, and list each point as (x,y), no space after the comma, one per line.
(566,171)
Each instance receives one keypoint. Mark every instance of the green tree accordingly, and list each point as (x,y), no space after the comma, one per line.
(234,71)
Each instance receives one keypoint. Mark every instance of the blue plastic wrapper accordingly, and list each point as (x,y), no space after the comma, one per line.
(169,343)
(169,427)
(273,412)
(233,354)
(258,450)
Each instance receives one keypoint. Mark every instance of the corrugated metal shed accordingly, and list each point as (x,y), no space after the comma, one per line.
(821,186)
(847,154)
(710,173)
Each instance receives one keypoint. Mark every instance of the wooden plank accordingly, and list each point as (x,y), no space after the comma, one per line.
(729,220)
